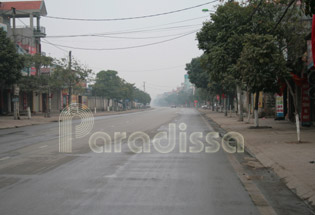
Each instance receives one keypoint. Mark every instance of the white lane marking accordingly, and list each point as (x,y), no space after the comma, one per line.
(43,147)
(5,158)
(110,176)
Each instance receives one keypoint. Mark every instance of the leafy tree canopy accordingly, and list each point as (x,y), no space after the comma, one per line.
(111,86)
(11,63)
(261,63)
(197,74)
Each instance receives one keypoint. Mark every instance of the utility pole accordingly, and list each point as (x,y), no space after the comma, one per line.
(16,89)
(144,86)
(14,25)
(70,87)
(49,99)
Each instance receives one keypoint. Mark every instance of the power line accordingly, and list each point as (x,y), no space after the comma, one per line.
(201,17)
(132,38)
(49,43)
(123,32)
(284,13)
(22,22)
(156,85)
(162,88)
(144,70)
(142,38)
(122,48)
(153,70)
(140,28)
(130,18)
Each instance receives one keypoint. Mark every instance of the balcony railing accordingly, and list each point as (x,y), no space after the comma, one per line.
(41,32)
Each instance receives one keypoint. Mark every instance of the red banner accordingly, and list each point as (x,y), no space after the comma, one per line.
(313,39)
(297,80)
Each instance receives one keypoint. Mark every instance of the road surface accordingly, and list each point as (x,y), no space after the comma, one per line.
(36,179)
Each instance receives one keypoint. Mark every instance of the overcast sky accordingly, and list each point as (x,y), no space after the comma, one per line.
(161,66)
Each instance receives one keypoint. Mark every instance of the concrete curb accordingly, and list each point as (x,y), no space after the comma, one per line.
(30,123)
(254,193)
(289,179)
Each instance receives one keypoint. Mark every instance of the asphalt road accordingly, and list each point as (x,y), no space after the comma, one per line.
(36,179)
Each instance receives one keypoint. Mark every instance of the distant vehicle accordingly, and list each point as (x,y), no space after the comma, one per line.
(173,106)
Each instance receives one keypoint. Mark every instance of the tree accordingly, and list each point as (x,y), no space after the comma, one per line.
(142,97)
(111,86)
(127,90)
(197,74)
(11,63)
(108,84)
(289,31)
(222,40)
(36,83)
(38,61)
(293,32)
(308,6)
(261,65)
(73,79)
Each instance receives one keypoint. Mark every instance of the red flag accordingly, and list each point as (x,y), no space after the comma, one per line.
(297,80)
(313,39)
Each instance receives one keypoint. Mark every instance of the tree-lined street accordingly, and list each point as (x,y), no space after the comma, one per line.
(41,180)
(149,107)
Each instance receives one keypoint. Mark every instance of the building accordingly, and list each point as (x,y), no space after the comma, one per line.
(28,40)
(27,36)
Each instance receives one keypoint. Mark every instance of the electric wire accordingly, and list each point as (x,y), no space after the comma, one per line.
(124,32)
(131,18)
(121,48)
(153,70)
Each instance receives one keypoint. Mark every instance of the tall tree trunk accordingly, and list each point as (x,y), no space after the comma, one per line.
(212,103)
(297,116)
(239,103)
(220,102)
(94,104)
(225,105)
(70,96)
(70,71)
(256,109)
(49,103)
(16,104)
(249,106)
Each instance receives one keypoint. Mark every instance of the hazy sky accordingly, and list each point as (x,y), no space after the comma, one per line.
(161,66)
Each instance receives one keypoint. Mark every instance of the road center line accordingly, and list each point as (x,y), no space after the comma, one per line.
(43,147)
(4,158)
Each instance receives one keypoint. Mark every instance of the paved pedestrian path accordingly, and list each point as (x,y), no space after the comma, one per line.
(9,122)
(278,149)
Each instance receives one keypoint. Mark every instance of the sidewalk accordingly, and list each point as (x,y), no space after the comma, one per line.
(276,148)
(9,122)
